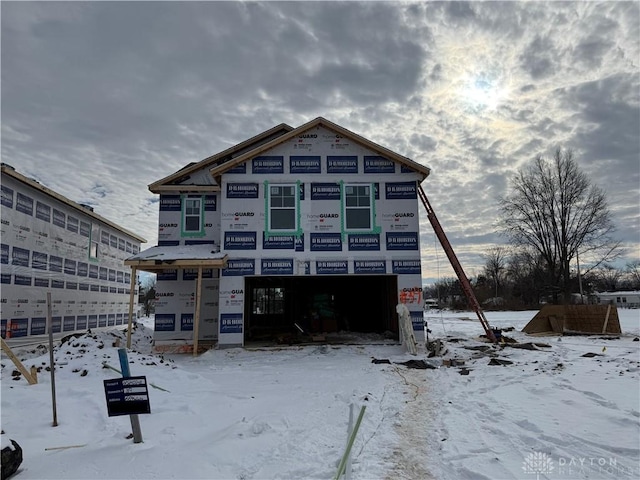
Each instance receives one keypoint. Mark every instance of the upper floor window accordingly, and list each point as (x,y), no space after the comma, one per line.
(192,215)
(358,211)
(94,242)
(282,205)
(7,196)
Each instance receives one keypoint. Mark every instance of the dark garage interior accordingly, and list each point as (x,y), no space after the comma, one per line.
(319,304)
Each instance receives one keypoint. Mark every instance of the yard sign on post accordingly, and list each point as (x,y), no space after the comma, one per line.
(128,396)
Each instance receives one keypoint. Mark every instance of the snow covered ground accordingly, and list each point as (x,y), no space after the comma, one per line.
(282,413)
(552,413)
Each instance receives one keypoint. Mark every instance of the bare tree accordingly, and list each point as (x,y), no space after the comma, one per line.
(448,291)
(148,296)
(607,277)
(495,265)
(525,270)
(554,208)
(633,274)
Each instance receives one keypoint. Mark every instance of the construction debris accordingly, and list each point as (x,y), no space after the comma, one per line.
(66,447)
(500,361)
(481,348)
(528,346)
(419,364)
(380,360)
(452,362)
(575,319)
(11,458)
(436,348)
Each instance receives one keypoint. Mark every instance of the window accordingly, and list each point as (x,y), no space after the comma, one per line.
(192,219)
(94,242)
(268,301)
(357,207)
(282,207)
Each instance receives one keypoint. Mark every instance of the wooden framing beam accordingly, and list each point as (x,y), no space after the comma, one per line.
(131,298)
(154,265)
(16,361)
(196,316)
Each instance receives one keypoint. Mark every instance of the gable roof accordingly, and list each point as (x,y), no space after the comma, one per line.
(171,182)
(84,209)
(385,152)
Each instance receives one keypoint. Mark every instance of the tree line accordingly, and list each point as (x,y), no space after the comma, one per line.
(516,279)
(551,217)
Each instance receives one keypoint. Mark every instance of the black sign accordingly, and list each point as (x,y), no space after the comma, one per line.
(127,396)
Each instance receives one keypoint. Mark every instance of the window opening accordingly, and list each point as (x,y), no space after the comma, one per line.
(94,242)
(192,215)
(357,206)
(268,301)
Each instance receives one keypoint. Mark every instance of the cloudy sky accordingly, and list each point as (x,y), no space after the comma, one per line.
(100,99)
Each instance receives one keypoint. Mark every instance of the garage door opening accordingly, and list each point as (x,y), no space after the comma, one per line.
(365,304)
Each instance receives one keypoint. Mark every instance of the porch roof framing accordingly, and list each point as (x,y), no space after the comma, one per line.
(160,258)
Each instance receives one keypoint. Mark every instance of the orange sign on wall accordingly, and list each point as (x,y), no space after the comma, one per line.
(411,295)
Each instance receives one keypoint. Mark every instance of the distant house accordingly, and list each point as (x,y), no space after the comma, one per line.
(629,299)
(313,225)
(53,244)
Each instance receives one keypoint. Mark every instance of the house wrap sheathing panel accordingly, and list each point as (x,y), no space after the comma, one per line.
(323,164)
(47,243)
